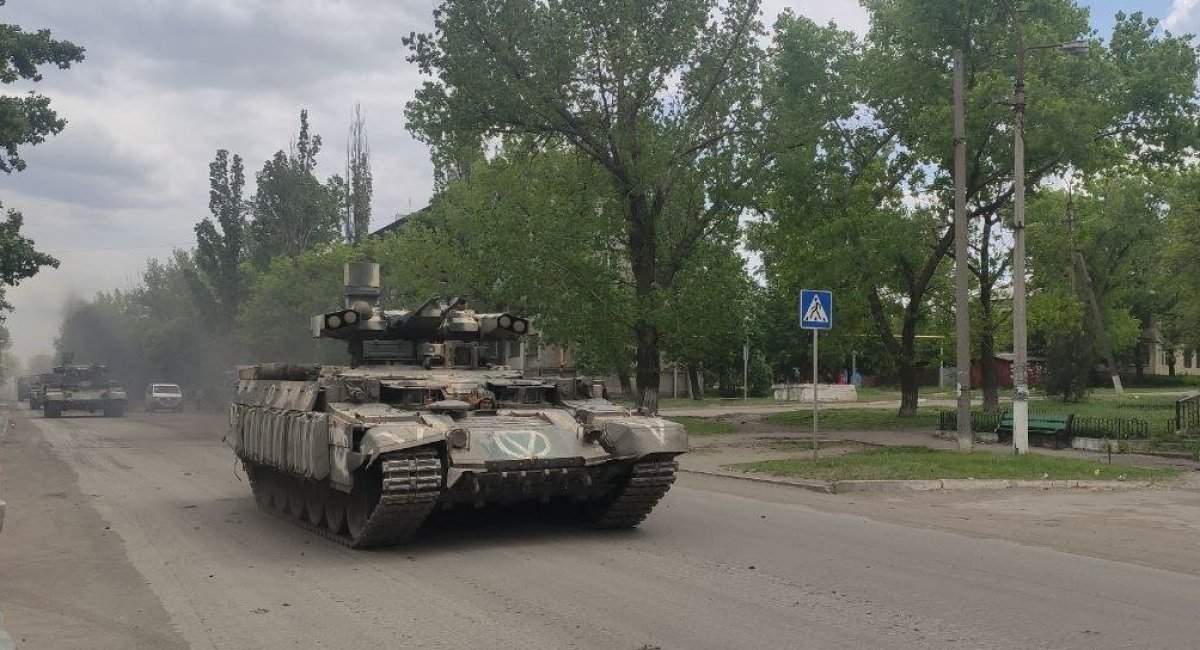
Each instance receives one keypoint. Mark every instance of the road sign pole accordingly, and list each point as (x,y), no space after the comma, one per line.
(816,314)
(816,413)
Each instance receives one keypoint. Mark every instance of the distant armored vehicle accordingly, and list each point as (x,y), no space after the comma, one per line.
(82,388)
(419,420)
(164,397)
(23,384)
(37,388)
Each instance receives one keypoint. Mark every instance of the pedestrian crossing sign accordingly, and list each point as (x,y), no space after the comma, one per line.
(816,309)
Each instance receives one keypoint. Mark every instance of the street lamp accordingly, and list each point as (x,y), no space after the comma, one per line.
(1020,330)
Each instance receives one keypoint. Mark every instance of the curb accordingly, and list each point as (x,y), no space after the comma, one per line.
(934,485)
(812,487)
(965,484)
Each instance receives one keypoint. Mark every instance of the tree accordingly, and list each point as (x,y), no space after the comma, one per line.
(26,120)
(891,138)
(292,211)
(274,323)
(154,331)
(1177,290)
(1132,99)
(29,119)
(662,95)
(1107,230)
(219,280)
(19,260)
(356,189)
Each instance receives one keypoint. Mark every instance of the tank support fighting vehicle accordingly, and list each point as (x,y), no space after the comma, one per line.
(422,419)
(81,388)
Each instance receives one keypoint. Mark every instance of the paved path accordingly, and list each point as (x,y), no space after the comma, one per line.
(152,509)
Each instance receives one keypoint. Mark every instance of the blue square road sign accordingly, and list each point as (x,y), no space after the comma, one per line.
(816,309)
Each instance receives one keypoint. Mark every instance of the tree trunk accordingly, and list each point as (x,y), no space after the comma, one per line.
(987,365)
(643,258)
(693,376)
(626,383)
(648,368)
(987,334)
(910,384)
(910,375)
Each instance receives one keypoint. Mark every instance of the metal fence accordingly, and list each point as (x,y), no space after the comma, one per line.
(1187,416)
(981,421)
(1090,427)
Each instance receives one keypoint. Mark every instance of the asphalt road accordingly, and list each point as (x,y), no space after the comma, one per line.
(138,532)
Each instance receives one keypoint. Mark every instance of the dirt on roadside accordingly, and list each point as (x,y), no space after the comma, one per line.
(65,580)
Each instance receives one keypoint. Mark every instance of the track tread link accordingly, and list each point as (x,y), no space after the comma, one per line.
(632,502)
(411,484)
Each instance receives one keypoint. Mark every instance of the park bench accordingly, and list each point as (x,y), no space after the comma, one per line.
(1044,430)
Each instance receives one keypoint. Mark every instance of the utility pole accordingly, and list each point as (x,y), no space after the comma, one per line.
(962,300)
(1020,331)
(1020,335)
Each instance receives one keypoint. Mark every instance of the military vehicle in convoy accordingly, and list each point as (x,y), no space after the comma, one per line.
(37,387)
(23,384)
(421,419)
(82,388)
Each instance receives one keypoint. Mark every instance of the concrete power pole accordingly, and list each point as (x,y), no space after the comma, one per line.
(962,299)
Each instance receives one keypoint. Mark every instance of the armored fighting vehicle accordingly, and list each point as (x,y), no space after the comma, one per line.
(23,384)
(425,418)
(82,388)
(37,387)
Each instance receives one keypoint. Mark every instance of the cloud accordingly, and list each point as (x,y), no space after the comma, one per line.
(847,14)
(1184,16)
(87,166)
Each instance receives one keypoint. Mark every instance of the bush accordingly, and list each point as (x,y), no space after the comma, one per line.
(1070,357)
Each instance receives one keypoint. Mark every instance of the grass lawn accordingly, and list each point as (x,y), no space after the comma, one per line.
(707,402)
(703,426)
(923,463)
(863,419)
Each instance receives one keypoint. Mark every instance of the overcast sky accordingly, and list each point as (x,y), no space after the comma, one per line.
(168,82)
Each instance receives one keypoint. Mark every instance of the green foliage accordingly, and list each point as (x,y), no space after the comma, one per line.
(498,236)
(1179,254)
(292,211)
(274,323)
(704,426)
(856,419)
(916,463)
(28,119)
(355,190)
(1070,360)
(220,283)
(154,332)
(661,96)
(19,260)
(861,124)
(25,120)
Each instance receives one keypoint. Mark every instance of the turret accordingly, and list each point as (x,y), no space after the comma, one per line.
(439,332)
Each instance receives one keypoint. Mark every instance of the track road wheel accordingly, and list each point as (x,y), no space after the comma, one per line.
(279,490)
(335,510)
(314,503)
(358,511)
(629,504)
(260,480)
(295,497)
